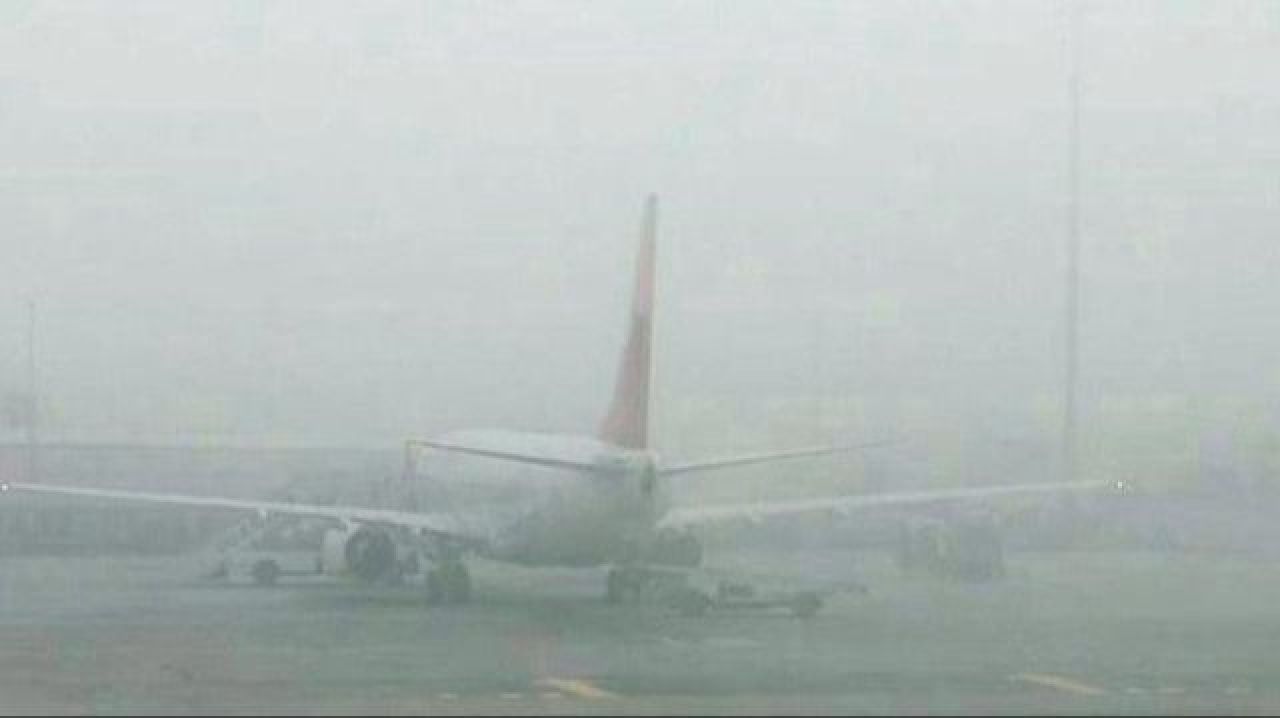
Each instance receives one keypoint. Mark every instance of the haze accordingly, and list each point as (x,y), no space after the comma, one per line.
(279,223)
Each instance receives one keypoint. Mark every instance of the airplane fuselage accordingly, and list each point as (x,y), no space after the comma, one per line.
(536,515)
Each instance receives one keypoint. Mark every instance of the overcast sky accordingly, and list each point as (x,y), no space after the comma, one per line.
(331,222)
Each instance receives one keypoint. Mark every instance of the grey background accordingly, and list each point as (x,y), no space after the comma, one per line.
(326,223)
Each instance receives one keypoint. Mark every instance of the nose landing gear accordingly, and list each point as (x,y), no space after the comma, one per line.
(966,550)
(618,585)
(265,572)
(628,583)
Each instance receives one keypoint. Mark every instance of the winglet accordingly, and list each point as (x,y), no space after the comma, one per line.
(627,422)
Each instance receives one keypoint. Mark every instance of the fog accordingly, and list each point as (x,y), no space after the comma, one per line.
(256,252)
(287,223)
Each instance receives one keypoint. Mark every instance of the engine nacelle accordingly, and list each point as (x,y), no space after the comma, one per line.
(366,553)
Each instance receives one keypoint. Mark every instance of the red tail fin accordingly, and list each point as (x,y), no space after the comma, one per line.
(627,423)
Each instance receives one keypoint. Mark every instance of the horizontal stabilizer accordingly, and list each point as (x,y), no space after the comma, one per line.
(749,459)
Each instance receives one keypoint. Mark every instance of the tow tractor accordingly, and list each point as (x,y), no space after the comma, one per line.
(265,550)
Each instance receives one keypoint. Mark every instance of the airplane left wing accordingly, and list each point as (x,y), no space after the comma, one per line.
(843,505)
(422,523)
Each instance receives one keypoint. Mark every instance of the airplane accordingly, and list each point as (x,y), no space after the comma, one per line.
(558,500)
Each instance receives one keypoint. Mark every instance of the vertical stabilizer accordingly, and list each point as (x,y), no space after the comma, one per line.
(627,423)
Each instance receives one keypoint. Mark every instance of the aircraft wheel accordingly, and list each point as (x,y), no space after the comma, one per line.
(806,605)
(624,584)
(448,583)
(693,603)
(461,582)
(615,588)
(265,572)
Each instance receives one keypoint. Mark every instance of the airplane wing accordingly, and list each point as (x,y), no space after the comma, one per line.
(735,461)
(843,505)
(421,523)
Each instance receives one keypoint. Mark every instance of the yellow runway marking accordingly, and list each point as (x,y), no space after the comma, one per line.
(1059,682)
(577,687)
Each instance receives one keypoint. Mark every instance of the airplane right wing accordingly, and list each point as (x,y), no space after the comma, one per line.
(768,458)
(843,505)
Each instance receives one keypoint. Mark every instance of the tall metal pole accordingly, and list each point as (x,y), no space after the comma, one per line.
(1073,244)
(33,402)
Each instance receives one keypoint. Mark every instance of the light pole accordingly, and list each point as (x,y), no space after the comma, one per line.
(32,403)
(1072,308)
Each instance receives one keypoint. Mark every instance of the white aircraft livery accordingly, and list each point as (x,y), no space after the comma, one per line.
(556,500)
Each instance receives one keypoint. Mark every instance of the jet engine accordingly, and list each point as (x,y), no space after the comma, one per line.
(367,553)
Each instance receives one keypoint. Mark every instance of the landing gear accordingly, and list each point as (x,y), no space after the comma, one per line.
(403,568)
(621,585)
(629,583)
(265,572)
(448,582)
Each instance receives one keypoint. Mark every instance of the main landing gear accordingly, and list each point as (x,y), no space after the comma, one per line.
(624,584)
(448,582)
(265,572)
(621,584)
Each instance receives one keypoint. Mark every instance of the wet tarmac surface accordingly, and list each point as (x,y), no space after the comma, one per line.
(1073,633)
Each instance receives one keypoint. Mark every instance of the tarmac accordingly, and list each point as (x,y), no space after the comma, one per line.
(1079,633)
